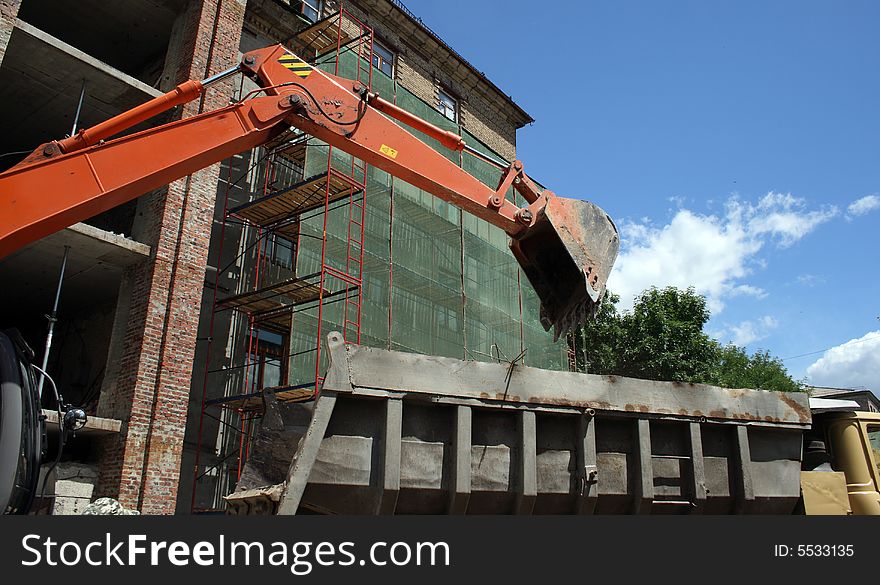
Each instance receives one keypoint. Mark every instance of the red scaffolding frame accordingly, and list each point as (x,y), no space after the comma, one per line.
(279,211)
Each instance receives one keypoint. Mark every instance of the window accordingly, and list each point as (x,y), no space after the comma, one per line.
(265,369)
(447,105)
(278,250)
(874,440)
(283,255)
(311,9)
(383,59)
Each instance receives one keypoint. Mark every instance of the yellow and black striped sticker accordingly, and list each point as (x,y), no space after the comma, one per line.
(295,64)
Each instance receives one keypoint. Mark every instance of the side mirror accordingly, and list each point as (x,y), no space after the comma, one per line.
(74,419)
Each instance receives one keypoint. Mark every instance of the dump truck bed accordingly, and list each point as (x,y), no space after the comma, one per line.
(404,433)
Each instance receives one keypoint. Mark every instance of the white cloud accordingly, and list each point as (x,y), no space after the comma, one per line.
(866,204)
(747,290)
(750,331)
(810,280)
(853,364)
(782,216)
(712,253)
(677,201)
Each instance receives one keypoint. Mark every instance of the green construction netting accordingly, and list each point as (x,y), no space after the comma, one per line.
(426,300)
(435,280)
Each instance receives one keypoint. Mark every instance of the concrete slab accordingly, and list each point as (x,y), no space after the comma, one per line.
(95,426)
(57,45)
(273,20)
(40,82)
(94,268)
(130,35)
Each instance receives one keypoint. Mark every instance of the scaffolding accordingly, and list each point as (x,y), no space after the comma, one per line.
(334,244)
(292,193)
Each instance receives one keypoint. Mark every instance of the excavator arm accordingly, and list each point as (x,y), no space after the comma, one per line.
(566,247)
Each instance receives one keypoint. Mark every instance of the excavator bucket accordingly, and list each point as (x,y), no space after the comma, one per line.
(567,256)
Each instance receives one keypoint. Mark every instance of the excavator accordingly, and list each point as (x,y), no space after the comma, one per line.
(566,247)
(392,432)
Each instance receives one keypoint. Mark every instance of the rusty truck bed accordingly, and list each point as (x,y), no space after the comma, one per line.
(404,433)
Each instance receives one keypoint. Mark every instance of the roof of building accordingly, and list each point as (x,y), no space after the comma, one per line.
(399,6)
(863,396)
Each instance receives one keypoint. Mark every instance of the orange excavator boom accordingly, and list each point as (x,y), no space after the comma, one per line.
(566,247)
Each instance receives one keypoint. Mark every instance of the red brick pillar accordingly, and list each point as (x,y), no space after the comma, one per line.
(8,14)
(149,367)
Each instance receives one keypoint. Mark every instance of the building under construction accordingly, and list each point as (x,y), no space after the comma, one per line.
(179,310)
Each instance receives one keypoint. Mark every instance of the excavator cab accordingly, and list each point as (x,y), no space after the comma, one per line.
(567,256)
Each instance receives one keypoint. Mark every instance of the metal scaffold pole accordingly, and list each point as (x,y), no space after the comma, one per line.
(53,318)
(284,197)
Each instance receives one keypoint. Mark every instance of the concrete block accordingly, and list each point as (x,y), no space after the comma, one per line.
(73,489)
(69,506)
(77,472)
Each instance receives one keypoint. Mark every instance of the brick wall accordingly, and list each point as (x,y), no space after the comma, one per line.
(475,114)
(155,328)
(8,14)
(485,123)
(422,72)
(478,115)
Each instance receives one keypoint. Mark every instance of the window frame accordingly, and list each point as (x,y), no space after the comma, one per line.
(270,250)
(266,354)
(315,5)
(381,59)
(873,429)
(455,102)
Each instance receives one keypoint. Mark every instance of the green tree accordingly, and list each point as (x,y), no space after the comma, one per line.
(662,338)
(597,343)
(762,371)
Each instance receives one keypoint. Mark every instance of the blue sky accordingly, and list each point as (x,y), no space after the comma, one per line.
(735,143)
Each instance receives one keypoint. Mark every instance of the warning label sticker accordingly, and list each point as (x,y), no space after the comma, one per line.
(295,64)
